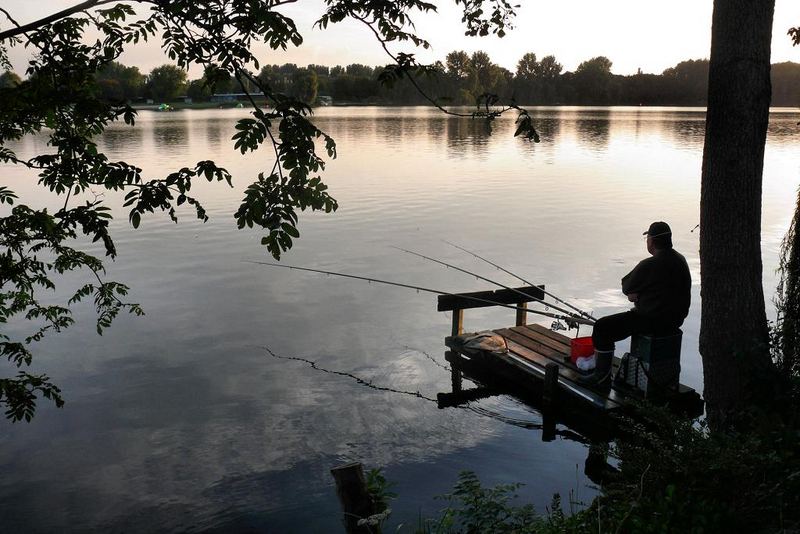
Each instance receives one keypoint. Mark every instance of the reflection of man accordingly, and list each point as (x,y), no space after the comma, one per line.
(660,289)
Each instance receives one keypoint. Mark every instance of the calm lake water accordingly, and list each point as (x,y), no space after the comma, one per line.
(183,420)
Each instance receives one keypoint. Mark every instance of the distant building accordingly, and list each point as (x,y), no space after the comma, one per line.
(324,100)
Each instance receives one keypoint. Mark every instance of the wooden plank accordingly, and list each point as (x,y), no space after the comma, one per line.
(579,392)
(555,336)
(544,350)
(539,355)
(531,367)
(542,339)
(566,374)
(539,358)
(501,296)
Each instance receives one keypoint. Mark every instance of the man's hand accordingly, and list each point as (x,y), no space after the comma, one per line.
(633,297)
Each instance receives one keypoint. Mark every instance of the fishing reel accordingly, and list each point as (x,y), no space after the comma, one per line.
(567,324)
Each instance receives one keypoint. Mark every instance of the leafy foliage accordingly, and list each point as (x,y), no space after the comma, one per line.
(673,476)
(379,489)
(677,476)
(472,508)
(786,342)
(67,98)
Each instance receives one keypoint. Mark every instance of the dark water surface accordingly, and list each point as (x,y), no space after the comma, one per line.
(183,421)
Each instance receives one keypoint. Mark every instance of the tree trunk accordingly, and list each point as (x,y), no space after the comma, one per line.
(733,329)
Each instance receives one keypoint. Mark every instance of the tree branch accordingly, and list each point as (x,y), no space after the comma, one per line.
(88,4)
(409,75)
(9,17)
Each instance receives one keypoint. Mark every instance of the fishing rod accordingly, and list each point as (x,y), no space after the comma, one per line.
(570,314)
(425,289)
(578,310)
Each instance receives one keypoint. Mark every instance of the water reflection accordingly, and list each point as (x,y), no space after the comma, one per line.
(171,134)
(214,129)
(549,129)
(121,138)
(436,128)
(593,131)
(181,414)
(468,136)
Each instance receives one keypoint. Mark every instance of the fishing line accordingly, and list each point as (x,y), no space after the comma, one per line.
(431,358)
(562,301)
(479,277)
(358,379)
(521,423)
(420,288)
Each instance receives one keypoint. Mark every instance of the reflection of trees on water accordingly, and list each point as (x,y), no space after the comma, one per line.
(436,127)
(687,133)
(549,128)
(171,134)
(120,140)
(214,132)
(465,135)
(783,128)
(593,129)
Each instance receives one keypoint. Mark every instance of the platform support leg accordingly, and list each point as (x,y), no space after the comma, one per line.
(548,425)
(522,315)
(455,379)
(549,401)
(550,387)
(458,322)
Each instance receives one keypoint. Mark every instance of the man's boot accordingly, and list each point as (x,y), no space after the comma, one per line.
(602,370)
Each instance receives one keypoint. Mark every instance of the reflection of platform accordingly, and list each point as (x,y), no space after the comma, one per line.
(534,348)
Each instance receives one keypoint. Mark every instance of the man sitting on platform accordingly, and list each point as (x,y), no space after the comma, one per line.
(660,289)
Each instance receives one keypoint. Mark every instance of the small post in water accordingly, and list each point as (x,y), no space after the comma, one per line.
(351,488)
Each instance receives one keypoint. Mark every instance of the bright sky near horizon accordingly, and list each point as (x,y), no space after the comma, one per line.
(633,34)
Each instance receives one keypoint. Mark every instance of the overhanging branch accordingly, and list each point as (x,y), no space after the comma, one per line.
(88,4)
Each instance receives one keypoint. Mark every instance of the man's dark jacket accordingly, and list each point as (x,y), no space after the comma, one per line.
(664,286)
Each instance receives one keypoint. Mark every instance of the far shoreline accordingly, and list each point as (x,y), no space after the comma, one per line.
(183,106)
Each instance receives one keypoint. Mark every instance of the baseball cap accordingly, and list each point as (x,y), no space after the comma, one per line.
(658,228)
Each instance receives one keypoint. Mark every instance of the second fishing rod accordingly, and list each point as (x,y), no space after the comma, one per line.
(581,317)
(425,289)
(524,281)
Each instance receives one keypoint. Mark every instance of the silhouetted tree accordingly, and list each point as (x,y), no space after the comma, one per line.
(458,65)
(687,82)
(305,86)
(785,84)
(166,82)
(527,81)
(733,329)
(120,83)
(9,79)
(592,79)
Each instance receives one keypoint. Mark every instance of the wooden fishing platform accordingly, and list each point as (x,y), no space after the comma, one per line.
(538,368)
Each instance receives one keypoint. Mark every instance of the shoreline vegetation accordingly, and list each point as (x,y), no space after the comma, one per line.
(460,80)
(183,106)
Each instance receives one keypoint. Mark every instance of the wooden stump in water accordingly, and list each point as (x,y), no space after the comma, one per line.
(351,488)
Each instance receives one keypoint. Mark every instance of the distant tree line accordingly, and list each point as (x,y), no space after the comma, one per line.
(460,80)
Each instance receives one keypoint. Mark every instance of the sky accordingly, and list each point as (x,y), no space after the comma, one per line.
(633,34)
